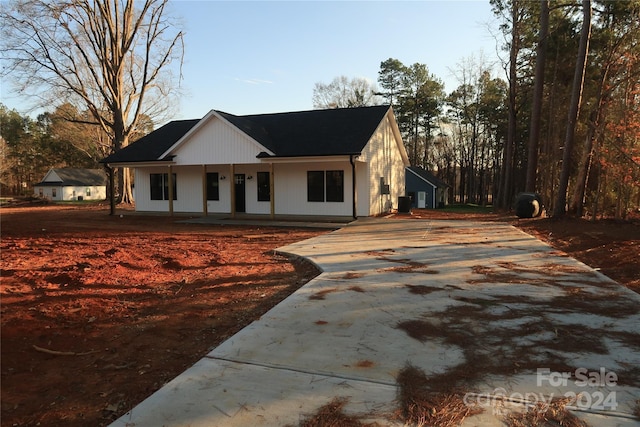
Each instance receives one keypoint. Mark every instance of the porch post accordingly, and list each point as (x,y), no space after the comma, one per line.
(272,192)
(170,183)
(204,190)
(353,187)
(232,184)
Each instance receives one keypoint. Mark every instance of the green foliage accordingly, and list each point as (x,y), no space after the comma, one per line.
(31,147)
(417,97)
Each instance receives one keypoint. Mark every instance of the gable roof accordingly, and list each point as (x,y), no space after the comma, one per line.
(69,177)
(428,176)
(341,131)
(151,146)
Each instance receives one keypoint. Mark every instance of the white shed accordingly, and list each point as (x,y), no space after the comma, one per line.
(72,184)
(338,162)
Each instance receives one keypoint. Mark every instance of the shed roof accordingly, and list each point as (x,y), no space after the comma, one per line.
(339,131)
(428,176)
(69,177)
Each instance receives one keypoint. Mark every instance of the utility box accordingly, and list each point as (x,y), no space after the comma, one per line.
(384,187)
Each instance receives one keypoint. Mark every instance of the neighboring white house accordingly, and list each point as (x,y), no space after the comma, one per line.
(338,162)
(72,184)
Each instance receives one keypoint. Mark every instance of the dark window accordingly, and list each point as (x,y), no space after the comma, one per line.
(160,186)
(315,186)
(264,187)
(335,186)
(213,186)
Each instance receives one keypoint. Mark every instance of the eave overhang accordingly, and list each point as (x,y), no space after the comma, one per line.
(308,159)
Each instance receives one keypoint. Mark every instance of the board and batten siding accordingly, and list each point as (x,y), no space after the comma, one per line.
(290,182)
(217,143)
(188,189)
(384,159)
(219,147)
(252,205)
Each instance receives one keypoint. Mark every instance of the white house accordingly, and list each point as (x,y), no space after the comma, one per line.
(72,184)
(338,162)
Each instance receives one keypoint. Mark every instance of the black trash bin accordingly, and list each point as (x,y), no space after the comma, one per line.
(404,204)
(528,205)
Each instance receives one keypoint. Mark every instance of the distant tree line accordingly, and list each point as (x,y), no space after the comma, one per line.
(565,123)
(30,147)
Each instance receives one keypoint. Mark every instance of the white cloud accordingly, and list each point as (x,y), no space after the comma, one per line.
(254,81)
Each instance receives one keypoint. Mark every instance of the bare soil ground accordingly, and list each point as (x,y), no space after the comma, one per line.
(100,311)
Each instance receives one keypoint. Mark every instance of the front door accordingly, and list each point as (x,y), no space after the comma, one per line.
(240,196)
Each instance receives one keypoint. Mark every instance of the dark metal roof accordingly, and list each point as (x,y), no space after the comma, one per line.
(76,177)
(340,131)
(428,176)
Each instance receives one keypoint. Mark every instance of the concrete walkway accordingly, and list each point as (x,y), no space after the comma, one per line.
(444,296)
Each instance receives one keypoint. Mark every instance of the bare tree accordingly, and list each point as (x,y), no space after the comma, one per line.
(343,92)
(109,57)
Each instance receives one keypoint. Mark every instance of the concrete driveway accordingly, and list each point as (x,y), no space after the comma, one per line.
(480,306)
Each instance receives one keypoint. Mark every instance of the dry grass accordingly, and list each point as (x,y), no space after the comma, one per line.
(420,330)
(332,415)
(534,340)
(545,415)
(408,266)
(421,406)
(320,295)
(422,289)
(351,275)
(383,252)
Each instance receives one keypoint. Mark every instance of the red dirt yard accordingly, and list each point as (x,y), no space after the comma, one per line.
(100,311)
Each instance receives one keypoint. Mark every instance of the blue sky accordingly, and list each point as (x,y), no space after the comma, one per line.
(250,57)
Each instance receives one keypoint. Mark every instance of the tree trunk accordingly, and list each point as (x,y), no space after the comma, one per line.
(127,187)
(574,107)
(577,201)
(536,113)
(511,130)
